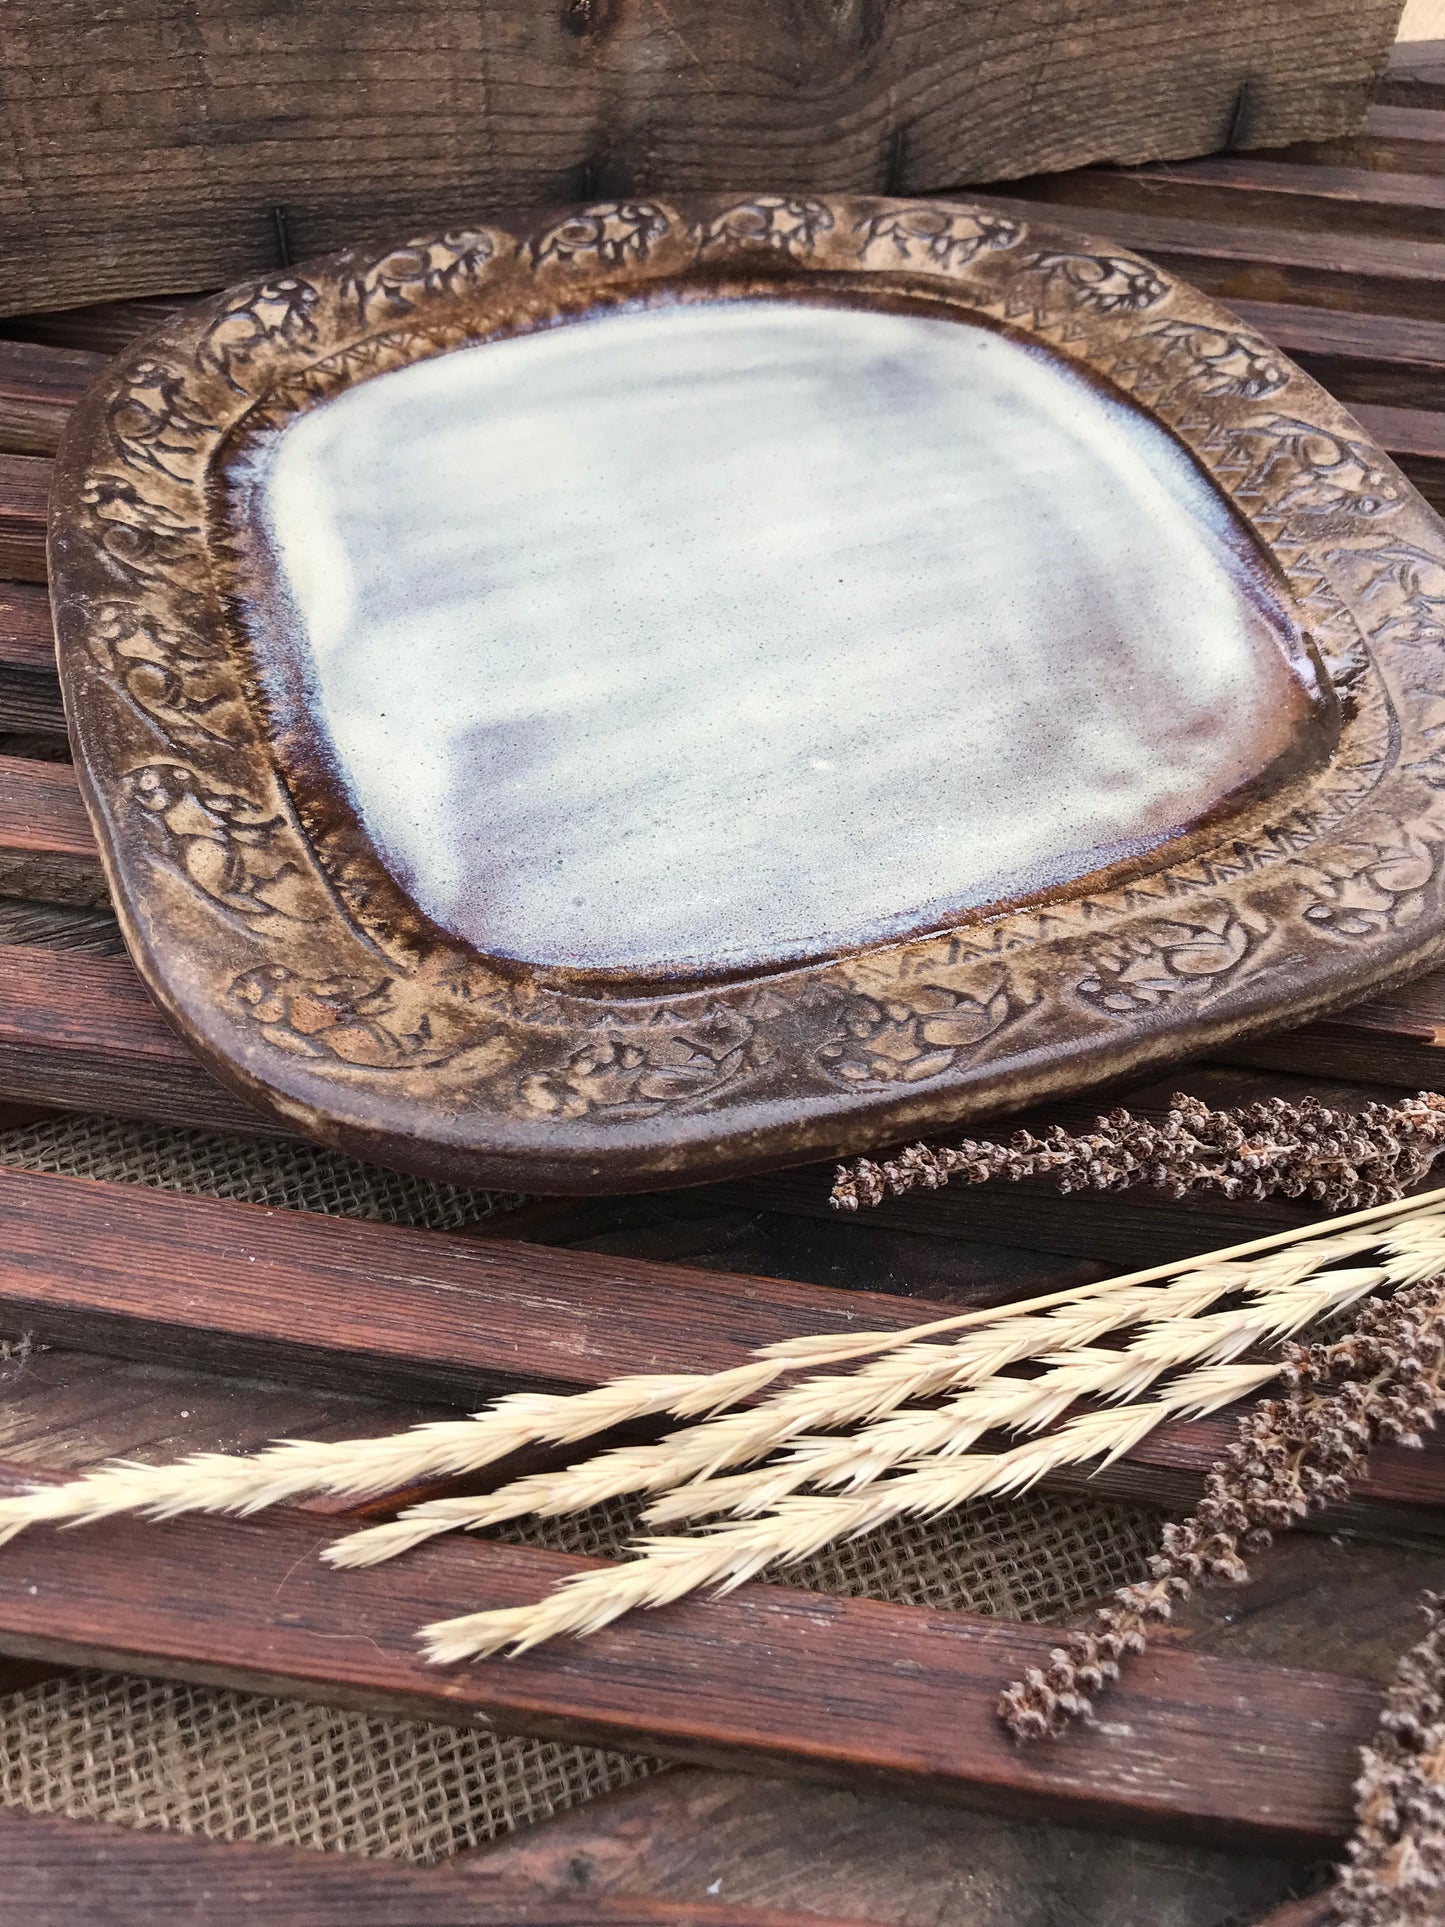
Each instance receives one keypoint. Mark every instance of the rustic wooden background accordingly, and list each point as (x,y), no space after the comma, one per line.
(155,146)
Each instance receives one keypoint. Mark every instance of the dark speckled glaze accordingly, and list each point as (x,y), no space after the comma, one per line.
(666,690)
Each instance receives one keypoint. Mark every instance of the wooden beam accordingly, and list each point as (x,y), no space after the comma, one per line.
(136,167)
(56,1872)
(790,1681)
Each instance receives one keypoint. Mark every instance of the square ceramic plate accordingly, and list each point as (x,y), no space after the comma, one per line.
(670,689)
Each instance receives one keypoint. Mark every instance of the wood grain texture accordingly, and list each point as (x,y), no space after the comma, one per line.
(29,690)
(150,148)
(898,1861)
(1330,270)
(78,1033)
(77,1873)
(372,1307)
(46,846)
(38,388)
(24,494)
(1203,1747)
(407,1314)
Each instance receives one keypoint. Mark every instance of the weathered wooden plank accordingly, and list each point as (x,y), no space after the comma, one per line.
(24,491)
(79,1033)
(1390,275)
(380,1308)
(1253,190)
(363,1307)
(1195,1746)
(1405,140)
(137,166)
(47,849)
(1414,75)
(29,690)
(38,389)
(1359,357)
(80,1873)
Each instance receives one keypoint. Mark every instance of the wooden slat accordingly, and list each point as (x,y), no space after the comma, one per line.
(1268,263)
(38,389)
(24,489)
(1359,357)
(79,1033)
(80,1873)
(1414,75)
(47,849)
(374,1307)
(1405,140)
(1252,190)
(29,691)
(1209,1747)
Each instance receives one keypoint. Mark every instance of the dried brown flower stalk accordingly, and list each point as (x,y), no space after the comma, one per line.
(1396,1871)
(1340,1159)
(1385,1380)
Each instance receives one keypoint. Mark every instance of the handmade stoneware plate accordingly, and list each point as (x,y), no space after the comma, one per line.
(669,689)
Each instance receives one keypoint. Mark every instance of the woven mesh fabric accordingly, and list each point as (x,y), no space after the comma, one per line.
(237,1766)
(274,1171)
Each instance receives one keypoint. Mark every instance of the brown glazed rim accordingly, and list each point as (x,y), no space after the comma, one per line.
(268,931)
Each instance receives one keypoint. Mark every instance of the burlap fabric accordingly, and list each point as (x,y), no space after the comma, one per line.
(241,1767)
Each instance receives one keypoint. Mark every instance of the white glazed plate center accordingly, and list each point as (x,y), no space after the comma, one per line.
(735,632)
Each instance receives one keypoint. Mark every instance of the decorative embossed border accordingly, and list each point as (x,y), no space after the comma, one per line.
(265,928)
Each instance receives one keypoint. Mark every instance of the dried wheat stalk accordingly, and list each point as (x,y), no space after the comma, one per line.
(1396,1871)
(363,1468)
(1341,1159)
(670,1568)
(1384,1380)
(683,1467)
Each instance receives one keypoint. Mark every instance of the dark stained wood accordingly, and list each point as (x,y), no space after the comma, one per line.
(1252,190)
(1359,357)
(1405,140)
(77,1873)
(423,1315)
(38,389)
(1204,1747)
(29,689)
(364,1306)
(899,1861)
(1390,276)
(1394,1037)
(1414,75)
(138,167)
(78,1033)
(24,490)
(46,846)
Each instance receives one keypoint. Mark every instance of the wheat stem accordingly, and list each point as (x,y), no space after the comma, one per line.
(361,1468)
(877,1388)
(669,1568)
